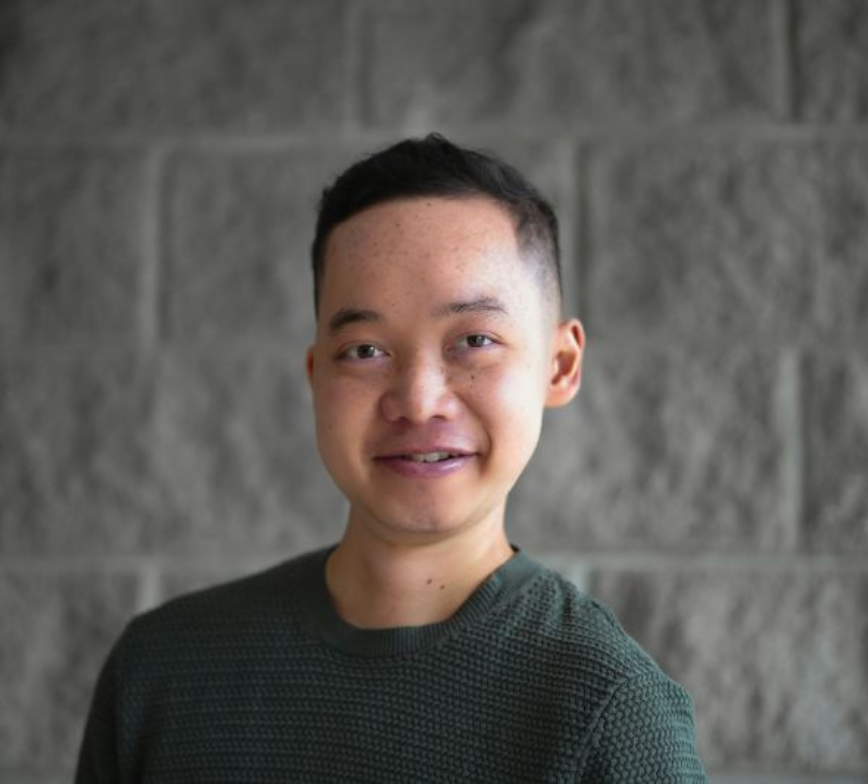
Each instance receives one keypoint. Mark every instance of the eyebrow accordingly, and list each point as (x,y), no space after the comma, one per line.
(346,316)
(479,305)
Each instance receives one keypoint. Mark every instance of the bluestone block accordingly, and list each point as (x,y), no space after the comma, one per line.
(71,245)
(165,66)
(175,579)
(237,458)
(76,469)
(661,450)
(57,629)
(238,244)
(559,62)
(837,238)
(831,60)
(784,778)
(776,660)
(746,241)
(837,453)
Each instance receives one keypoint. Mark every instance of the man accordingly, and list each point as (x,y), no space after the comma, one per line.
(423,646)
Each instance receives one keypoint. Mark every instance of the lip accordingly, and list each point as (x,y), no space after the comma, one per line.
(418,470)
(395,460)
(420,448)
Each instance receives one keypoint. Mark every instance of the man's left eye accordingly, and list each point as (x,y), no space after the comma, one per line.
(477,341)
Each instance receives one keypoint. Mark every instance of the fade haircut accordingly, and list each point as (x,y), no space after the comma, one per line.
(434,166)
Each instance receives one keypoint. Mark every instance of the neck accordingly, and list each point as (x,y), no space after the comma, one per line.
(376,584)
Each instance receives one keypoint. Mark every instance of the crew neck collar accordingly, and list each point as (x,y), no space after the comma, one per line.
(319,616)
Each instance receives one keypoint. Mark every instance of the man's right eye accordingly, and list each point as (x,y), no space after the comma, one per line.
(363,351)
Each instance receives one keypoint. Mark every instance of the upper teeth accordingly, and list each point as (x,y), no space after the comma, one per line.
(429,457)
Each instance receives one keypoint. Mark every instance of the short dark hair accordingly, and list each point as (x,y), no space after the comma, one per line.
(434,166)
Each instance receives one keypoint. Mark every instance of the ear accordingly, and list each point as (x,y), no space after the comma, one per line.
(566,363)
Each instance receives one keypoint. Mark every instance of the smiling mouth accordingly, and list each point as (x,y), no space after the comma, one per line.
(430,457)
(430,464)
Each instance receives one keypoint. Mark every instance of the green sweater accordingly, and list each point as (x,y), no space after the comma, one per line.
(260,680)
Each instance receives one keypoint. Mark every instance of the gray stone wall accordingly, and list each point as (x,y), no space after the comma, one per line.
(159,161)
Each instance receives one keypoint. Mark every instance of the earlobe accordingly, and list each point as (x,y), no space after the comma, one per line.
(566,375)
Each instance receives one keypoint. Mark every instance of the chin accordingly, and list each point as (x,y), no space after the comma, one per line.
(421,527)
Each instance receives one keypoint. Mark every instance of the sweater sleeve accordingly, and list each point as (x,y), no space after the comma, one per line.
(645,734)
(98,757)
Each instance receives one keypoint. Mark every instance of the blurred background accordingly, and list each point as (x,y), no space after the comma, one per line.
(159,165)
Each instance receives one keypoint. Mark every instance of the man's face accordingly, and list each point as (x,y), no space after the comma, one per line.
(433,360)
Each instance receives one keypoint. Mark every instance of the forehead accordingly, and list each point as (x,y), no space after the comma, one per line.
(430,220)
(428,240)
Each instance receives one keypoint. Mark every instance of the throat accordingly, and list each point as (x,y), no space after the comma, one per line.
(393,587)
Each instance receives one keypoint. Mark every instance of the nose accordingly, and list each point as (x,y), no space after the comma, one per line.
(418,391)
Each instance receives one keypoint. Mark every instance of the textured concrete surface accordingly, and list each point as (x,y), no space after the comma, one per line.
(163,66)
(563,62)
(57,627)
(836,237)
(176,579)
(832,60)
(239,230)
(672,450)
(235,452)
(784,778)
(76,473)
(72,251)
(753,240)
(18,776)
(103,455)
(837,453)
(777,662)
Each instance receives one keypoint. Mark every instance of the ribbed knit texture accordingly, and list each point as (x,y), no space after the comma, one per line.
(261,681)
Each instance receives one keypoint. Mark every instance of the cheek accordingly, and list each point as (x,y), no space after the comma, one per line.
(339,396)
(511,403)
(335,408)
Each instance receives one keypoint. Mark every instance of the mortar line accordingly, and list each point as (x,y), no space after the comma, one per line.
(583,229)
(615,560)
(141,562)
(790,424)
(783,59)
(776,774)
(148,315)
(693,561)
(801,457)
(617,133)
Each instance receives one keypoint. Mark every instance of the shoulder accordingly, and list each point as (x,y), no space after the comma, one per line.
(244,607)
(582,631)
(641,725)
